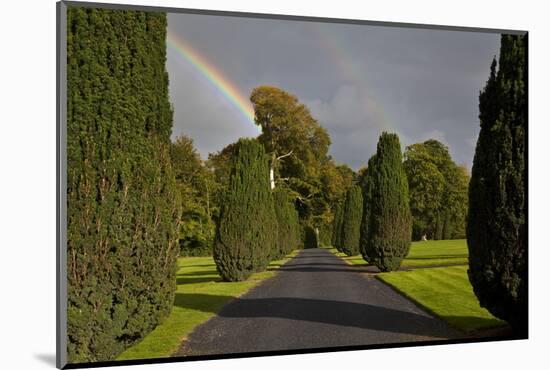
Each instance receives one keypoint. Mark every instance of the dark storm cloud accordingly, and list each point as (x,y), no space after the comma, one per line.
(357,80)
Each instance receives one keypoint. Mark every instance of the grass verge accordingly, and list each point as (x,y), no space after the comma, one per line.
(200,295)
(447,293)
(426,253)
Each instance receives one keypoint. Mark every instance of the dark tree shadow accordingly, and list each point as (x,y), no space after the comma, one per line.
(440,256)
(184,279)
(198,273)
(291,268)
(315,264)
(201,302)
(348,314)
(195,265)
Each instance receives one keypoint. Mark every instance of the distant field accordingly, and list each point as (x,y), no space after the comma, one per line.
(426,253)
(200,295)
(445,291)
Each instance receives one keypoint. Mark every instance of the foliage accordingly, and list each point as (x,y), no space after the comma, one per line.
(496,228)
(219,165)
(247,231)
(289,237)
(390,222)
(353,212)
(366,181)
(437,191)
(122,198)
(325,235)
(311,239)
(426,187)
(337,227)
(298,148)
(195,184)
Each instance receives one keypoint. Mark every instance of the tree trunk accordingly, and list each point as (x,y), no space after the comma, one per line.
(271,172)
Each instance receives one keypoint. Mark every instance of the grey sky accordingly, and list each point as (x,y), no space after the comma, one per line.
(357,81)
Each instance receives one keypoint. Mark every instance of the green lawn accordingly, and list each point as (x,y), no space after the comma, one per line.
(437,252)
(445,291)
(426,253)
(200,295)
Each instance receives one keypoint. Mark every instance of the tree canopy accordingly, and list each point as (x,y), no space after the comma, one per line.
(297,144)
(197,187)
(437,191)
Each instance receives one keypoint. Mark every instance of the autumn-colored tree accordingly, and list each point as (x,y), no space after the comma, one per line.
(297,146)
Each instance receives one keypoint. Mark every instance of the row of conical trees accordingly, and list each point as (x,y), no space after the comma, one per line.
(496,222)
(124,208)
(257,225)
(375,219)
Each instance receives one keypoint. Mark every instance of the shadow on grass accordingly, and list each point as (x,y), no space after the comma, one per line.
(309,256)
(438,257)
(187,267)
(201,302)
(183,279)
(346,314)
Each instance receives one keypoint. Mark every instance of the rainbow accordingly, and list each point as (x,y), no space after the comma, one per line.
(213,75)
(348,67)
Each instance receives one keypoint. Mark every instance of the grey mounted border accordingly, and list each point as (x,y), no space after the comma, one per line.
(61,187)
(61,172)
(226,13)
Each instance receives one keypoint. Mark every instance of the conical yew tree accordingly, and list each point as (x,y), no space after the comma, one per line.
(351,227)
(496,227)
(287,220)
(246,237)
(367,191)
(337,227)
(122,203)
(390,221)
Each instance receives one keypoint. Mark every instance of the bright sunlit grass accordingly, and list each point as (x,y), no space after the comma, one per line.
(425,253)
(200,295)
(445,291)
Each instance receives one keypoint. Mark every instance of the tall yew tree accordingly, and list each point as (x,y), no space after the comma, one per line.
(337,227)
(122,204)
(288,224)
(390,221)
(351,227)
(334,225)
(496,228)
(246,237)
(366,185)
